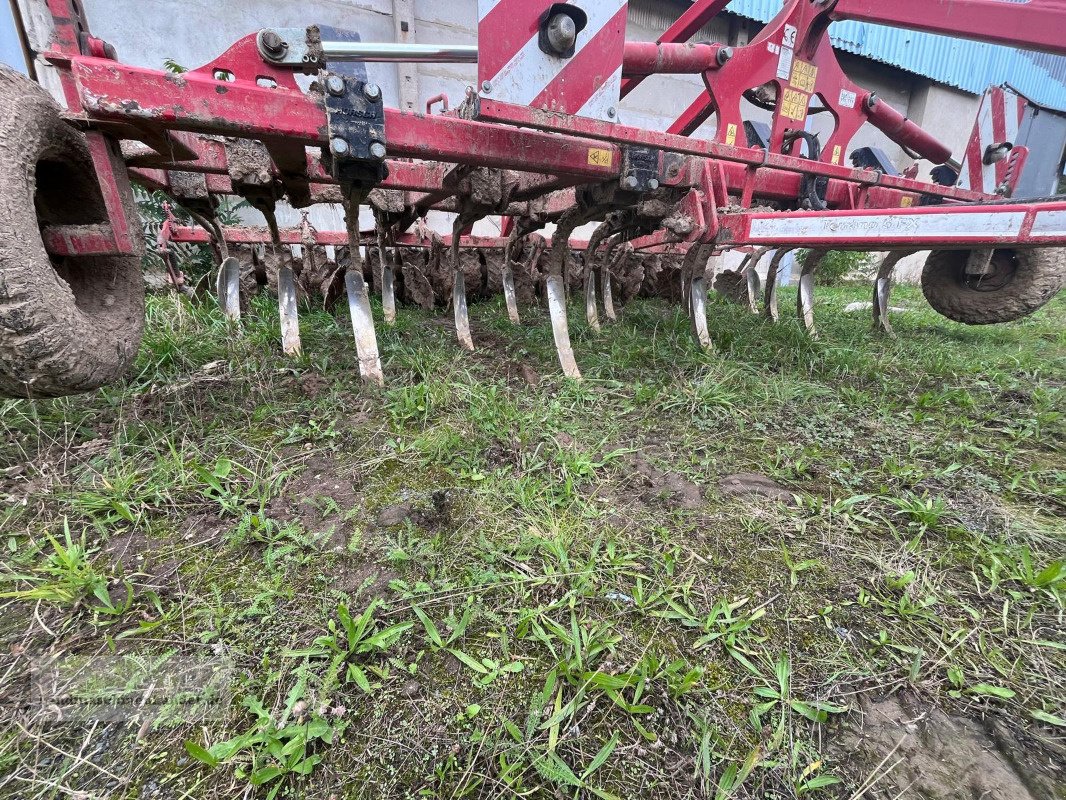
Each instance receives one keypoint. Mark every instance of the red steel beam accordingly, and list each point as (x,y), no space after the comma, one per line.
(198,103)
(1030,24)
(624,134)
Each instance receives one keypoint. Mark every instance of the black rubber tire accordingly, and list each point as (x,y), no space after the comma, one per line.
(1021,281)
(67,325)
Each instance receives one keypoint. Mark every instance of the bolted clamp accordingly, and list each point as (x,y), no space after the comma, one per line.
(640,169)
(356,116)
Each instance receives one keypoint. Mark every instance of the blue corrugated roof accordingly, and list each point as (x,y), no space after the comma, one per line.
(968,65)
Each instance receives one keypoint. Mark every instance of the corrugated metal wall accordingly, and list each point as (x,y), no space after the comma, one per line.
(971,66)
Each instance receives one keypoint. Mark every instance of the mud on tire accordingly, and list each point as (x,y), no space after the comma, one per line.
(67,325)
(1020,282)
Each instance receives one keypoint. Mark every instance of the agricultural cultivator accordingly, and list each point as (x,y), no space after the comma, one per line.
(539,142)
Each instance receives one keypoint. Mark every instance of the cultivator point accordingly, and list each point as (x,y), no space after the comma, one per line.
(537,145)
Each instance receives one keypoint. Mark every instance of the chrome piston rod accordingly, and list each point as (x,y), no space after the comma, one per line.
(423,53)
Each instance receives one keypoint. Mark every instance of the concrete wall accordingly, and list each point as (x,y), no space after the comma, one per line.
(146,32)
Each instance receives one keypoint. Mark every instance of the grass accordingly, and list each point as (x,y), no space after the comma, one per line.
(249,576)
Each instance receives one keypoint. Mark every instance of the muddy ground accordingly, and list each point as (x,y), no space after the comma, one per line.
(786,569)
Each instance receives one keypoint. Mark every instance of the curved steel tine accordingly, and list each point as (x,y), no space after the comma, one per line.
(606,231)
(227,285)
(695,270)
(388,294)
(753,287)
(560,328)
(749,270)
(230,284)
(591,314)
(698,313)
(366,342)
(221,295)
(462,314)
(615,253)
(883,291)
(290,322)
(509,296)
(388,284)
(507,277)
(770,290)
(608,294)
(556,291)
(743,271)
(805,297)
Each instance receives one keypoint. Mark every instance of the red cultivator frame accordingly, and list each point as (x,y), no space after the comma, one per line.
(539,141)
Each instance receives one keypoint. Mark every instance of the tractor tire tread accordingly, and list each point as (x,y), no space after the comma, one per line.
(1041,273)
(66,326)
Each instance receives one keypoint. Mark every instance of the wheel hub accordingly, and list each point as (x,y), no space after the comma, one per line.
(1001,272)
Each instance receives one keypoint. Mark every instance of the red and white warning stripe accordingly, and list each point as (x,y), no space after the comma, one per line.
(998,120)
(513,69)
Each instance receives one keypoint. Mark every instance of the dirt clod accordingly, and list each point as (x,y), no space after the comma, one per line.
(529,375)
(665,486)
(752,483)
(395,515)
(935,756)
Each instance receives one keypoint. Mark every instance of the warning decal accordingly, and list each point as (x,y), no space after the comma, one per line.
(794,104)
(599,157)
(804,76)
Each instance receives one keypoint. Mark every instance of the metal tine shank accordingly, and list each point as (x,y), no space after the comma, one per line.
(507,273)
(366,342)
(388,282)
(591,314)
(459,308)
(770,290)
(228,279)
(615,253)
(805,297)
(883,291)
(600,235)
(290,322)
(749,271)
(556,291)
(694,269)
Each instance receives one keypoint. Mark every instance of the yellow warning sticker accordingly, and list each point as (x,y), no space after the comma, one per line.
(731,134)
(794,104)
(600,157)
(804,75)
(836,154)
(906,202)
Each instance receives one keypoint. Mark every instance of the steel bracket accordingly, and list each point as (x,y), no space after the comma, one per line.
(979,262)
(291,47)
(356,119)
(640,169)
